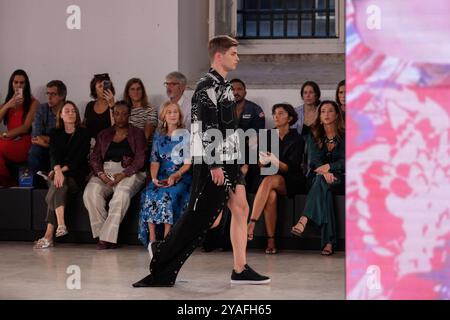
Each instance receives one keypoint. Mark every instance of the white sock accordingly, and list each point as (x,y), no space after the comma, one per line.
(149,248)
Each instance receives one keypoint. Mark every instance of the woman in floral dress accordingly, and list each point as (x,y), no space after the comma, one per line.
(167,195)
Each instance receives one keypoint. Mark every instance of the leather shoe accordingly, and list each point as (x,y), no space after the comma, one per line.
(150,281)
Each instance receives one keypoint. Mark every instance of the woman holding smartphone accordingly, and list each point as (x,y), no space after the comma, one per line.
(18,114)
(289,178)
(167,195)
(98,114)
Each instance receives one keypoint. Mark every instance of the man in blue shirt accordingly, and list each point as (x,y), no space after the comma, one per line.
(250,115)
(44,122)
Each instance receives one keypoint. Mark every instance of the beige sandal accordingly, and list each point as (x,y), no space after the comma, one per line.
(61,231)
(43,244)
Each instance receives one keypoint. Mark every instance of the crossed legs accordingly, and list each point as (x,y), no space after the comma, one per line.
(266,200)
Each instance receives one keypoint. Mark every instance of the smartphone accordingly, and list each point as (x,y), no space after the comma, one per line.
(263,155)
(164,182)
(43,175)
(106,85)
(20,92)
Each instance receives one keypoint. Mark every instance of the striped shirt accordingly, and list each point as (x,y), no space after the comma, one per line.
(141,116)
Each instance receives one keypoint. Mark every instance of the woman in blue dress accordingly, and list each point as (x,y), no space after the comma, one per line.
(167,195)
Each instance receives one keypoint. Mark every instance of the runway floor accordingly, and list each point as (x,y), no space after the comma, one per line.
(26,273)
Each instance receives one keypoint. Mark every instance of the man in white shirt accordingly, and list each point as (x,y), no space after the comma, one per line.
(175,85)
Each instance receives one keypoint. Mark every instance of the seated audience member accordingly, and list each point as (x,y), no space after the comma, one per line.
(289,178)
(117,162)
(98,113)
(167,195)
(17,113)
(307,112)
(327,147)
(143,115)
(251,116)
(340,98)
(175,86)
(44,122)
(69,148)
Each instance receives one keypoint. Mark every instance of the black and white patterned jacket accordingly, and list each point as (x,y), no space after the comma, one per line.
(213,105)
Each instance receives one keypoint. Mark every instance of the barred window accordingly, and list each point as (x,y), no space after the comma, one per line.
(285,19)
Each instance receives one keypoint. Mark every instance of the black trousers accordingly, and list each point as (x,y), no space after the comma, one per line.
(188,233)
(57,197)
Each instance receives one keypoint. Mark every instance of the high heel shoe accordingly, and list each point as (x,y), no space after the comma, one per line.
(250,235)
(271,250)
(327,250)
(296,231)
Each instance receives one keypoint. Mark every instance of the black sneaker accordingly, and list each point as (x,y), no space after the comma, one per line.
(248,276)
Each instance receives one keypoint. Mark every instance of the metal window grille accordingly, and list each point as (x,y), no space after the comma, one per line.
(286,19)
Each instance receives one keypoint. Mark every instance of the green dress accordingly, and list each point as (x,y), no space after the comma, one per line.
(319,206)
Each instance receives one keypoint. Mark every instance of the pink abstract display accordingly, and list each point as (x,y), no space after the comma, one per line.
(398,150)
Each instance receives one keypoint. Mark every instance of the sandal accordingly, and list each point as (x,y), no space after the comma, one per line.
(43,244)
(61,231)
(271,250)
(296,231)
(327,251)
(250,235)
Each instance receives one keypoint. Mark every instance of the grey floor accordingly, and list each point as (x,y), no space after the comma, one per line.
(26,273)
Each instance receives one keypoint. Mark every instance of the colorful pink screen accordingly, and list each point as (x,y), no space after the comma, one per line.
(398,155)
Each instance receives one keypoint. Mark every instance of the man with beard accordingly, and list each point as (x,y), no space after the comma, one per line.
(250,115)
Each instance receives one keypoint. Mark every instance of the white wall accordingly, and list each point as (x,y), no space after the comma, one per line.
(133,38)
(193,38)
